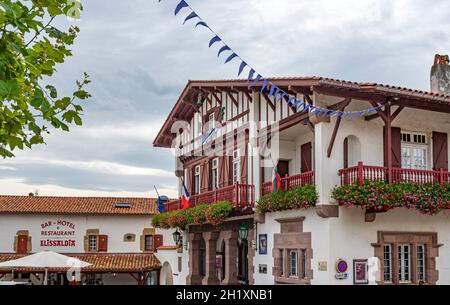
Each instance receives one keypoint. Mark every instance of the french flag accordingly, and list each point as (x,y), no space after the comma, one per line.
(184,197)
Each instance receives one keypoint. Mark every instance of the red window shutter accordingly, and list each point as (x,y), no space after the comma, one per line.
(396,147)
(440,151)
(103,243)
(306,156)
(157,241)
(22,244)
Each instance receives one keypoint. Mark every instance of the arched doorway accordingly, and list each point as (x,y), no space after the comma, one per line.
(352,151)
(166,274)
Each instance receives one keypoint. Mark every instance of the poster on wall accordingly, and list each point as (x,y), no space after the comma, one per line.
(360,268)
(263,244)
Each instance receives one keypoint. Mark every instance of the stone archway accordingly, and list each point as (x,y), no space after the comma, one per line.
(166,274)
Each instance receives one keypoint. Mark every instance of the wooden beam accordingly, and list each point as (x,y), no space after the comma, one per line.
(333,137)
(308,99)
(269,102)
(311,127)
(286,98)
(232,98)
(205,95)
(380,113)
(397,112)
(339,106)
(394,115)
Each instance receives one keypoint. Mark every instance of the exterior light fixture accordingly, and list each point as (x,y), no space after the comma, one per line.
(243,233)
(176,237)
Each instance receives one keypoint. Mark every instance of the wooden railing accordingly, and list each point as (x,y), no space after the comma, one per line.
(357,174)
(241,195)
(289,182)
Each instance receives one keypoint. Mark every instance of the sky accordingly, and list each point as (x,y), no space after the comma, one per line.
(140,57)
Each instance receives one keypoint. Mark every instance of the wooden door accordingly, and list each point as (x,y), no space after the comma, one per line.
(22,244)
(306,157)
(283,168)
(440,151)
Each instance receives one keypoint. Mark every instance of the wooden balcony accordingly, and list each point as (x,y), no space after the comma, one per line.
(289,182)
(357,174)
(241,195)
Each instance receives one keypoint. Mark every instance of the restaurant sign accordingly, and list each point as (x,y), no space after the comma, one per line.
(57,233)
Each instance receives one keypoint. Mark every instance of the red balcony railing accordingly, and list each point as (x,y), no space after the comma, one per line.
(241,195)
(357,174)
(289,182)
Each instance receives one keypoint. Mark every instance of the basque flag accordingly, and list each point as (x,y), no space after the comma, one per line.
(184,197)
(276,180)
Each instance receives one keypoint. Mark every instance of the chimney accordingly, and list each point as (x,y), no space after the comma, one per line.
(440,75)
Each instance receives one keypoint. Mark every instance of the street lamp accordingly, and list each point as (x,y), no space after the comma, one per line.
(243,232)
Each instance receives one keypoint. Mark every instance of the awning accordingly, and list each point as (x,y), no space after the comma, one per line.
(101,262)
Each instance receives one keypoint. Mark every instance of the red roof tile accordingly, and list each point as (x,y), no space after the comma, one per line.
(76,205)
(101,262)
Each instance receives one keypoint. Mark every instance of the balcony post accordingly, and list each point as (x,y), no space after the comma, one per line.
(215,194)
(286,182)
(441,176)
(360,174)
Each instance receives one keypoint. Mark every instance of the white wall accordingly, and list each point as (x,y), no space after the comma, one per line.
(349,237)
(113,226)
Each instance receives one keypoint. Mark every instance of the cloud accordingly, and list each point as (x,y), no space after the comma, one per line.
(140,57)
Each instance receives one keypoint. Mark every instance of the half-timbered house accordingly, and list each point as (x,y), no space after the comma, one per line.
(227,133)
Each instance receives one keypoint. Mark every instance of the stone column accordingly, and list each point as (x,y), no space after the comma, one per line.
(194,277)
(230,238)
(210,243)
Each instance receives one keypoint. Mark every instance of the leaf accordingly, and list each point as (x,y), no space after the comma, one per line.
(81,94)
(8,88)
(52,91)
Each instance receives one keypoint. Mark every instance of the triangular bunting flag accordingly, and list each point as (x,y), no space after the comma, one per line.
(264,85)
(223,49)
(180,5)
(250,75)
(230,58)
(190,16)
(257,79)
(241,67)
(202,23)
(214,40)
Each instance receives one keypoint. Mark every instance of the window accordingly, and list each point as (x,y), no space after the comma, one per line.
(387,260)
(414,157)
(197,125)
(421,262)
(148,245)
(215,173)
(236,166)
(404,261)
(293,266)
(414,150)
(405,257)
(211,121)
(197,179)
(92,242)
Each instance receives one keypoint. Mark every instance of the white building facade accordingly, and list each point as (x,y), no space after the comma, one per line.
(403,139)
(115,235)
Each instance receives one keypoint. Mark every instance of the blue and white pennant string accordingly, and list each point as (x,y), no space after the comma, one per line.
(274,90)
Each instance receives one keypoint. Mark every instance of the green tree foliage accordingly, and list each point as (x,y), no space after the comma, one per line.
(30,49)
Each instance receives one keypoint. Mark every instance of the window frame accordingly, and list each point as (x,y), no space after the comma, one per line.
(197,179)
(152,242)
(236,171)
(90,249)
(292,260)
(215,173)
